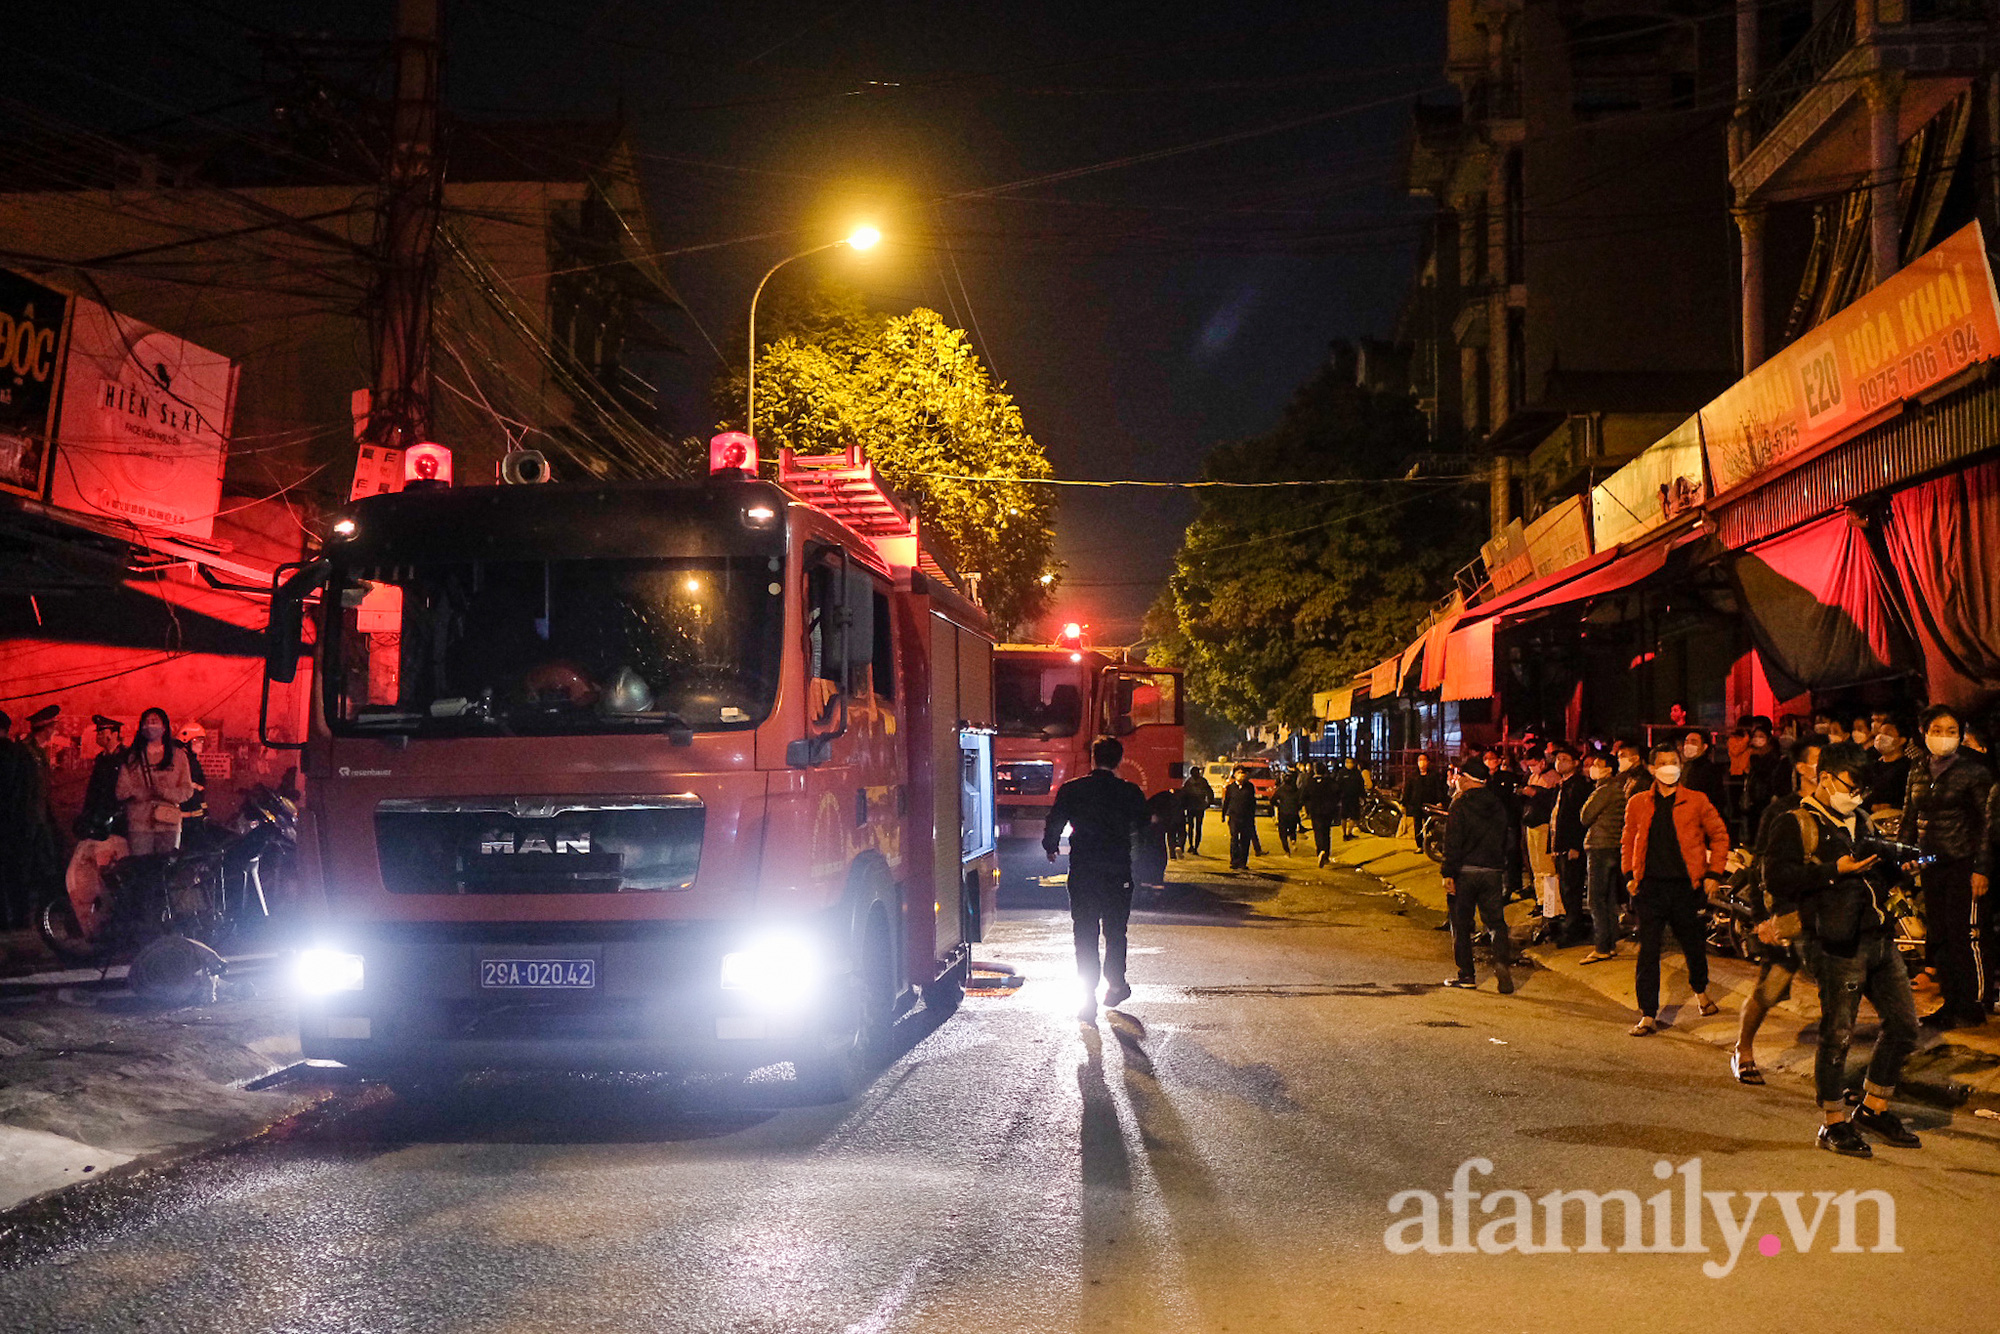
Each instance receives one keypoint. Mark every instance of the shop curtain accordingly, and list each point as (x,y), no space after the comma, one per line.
(1820,611)
(1468,662)
(1943,539)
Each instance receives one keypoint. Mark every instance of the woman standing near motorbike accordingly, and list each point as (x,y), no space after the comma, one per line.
(154,782)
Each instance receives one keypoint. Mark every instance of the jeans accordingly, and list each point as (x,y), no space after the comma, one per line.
(1951,936)
(1601,871)
(1194,823)
(1661,904)
(1477,888)
(1874,970)
(1240,837)
(1099,901)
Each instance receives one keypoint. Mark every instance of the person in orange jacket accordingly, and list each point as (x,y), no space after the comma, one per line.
(1676,848)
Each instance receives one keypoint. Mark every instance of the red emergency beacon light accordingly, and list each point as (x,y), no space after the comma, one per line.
(732,454)
(427,462)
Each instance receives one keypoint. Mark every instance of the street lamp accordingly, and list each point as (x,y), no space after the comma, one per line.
(861,238)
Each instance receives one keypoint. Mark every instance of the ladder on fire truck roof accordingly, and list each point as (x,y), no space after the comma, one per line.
(848,487)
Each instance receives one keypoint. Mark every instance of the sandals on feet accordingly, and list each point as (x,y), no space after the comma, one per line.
(1706,1006)
(1645,1028)
(1745,1069)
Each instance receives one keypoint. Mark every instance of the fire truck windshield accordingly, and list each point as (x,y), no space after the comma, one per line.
(1041,697)
(554,647)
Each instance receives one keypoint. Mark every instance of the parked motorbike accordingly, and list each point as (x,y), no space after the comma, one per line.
(1381,815)
(1433,832)
(206,895)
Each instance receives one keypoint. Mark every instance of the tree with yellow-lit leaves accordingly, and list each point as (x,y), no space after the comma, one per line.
(911,390)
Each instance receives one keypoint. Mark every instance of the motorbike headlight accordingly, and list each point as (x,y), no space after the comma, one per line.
(776,973)
(322,972)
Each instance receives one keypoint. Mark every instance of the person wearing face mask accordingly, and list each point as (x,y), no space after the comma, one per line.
(1674,841)
(1699,771)
(1862,732)
(1945,812)
(1603,820)
(1846,941)
(1566,837)
(1773,944)
(154,782)
(1889,776)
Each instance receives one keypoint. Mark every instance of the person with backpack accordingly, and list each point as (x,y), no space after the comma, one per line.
(1819,869)
(1776,949)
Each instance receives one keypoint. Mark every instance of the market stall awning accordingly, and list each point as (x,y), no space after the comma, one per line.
(1614,577)
(1468,662)
(1382,682)
(1333,705)
(1435,640)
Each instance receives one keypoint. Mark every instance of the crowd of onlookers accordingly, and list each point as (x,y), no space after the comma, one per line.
(1830,846)
(142,792)
(1819,834)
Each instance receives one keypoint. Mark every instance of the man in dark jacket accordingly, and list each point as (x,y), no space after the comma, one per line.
(103,814)
(1889,775)
(1353,791)
(1700,773)
(1320,795)
(1481,851)
(1196,797)
(1846,941)
(1566,841)
(1239,812)
(1102,812)
(1945,814)
(1423,789)
(1603,820)
(1286,802)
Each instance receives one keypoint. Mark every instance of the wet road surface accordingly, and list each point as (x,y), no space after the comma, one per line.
(1221,1156)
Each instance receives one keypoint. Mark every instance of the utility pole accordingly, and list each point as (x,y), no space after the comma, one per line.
(399,407)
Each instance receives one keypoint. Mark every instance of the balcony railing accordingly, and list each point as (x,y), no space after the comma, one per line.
(1803,66)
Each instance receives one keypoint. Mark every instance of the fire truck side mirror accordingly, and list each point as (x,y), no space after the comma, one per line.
(284,633)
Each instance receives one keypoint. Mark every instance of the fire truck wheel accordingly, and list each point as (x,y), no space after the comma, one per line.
(840,1069)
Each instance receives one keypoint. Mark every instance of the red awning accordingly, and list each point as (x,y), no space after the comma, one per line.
(1619,574)
(1468,662)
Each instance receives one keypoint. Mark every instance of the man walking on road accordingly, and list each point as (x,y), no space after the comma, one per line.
(1286,803)
(1321,796)
(1479,854)
(1196,797)
(1675,840)
(1239,812)
(1102,812)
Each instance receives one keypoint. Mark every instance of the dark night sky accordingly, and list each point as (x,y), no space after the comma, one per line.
(1141,313)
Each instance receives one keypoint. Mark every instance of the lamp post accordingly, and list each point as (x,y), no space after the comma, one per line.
(862,238)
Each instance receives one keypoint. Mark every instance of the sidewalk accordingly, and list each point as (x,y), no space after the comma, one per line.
(1947,1067)
(92,1078)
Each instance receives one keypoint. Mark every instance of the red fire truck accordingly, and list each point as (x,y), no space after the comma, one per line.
(639,776)
(1050,702)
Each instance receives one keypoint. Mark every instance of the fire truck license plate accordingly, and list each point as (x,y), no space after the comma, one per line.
(538,974)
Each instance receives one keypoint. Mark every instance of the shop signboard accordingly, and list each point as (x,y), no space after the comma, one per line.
(1661,484)
(144,425)
(1506,557)
(1560,537)
(32,322)
(1921,327)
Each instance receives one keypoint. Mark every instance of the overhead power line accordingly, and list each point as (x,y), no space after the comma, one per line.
(1190,486)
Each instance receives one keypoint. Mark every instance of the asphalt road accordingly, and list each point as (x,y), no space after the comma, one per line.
(1221,1156)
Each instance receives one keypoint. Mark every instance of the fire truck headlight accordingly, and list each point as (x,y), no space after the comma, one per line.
(323,972)
(776,973)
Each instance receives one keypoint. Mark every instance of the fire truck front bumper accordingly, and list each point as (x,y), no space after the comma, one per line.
(572,998)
